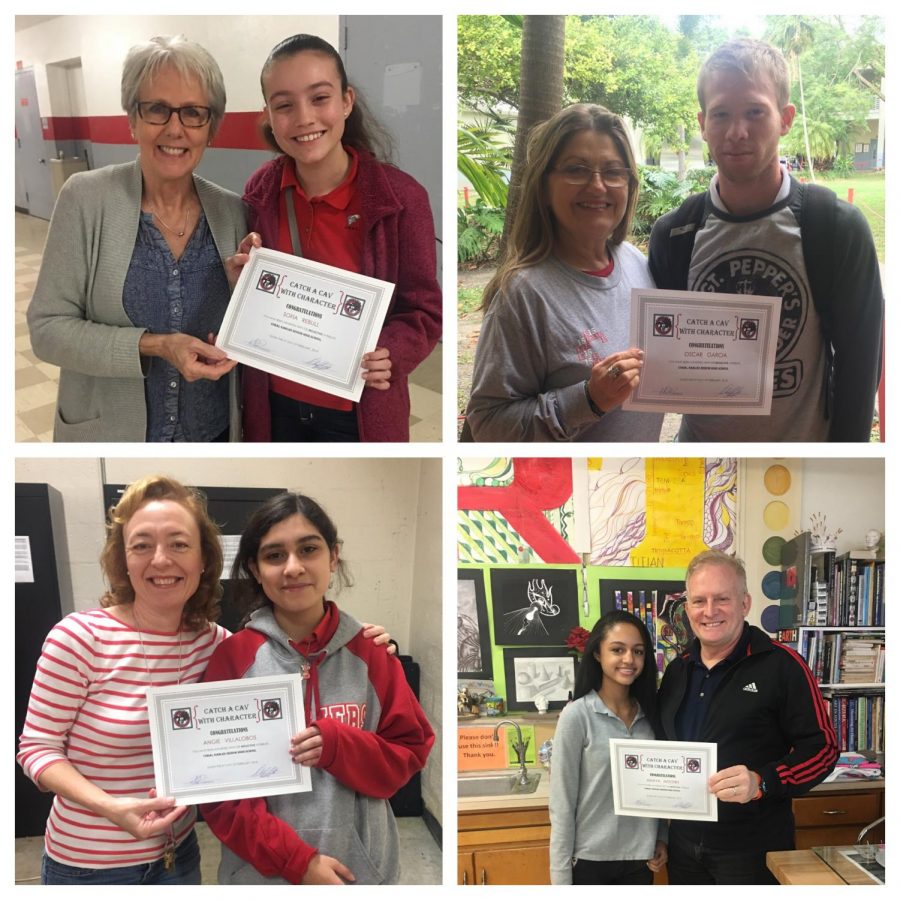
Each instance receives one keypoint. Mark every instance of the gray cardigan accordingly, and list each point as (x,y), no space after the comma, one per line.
(76,316)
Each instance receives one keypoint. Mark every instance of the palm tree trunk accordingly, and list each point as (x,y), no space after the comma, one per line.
(540,94)
(809,159)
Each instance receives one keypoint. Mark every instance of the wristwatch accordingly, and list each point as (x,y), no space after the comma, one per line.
(761,788)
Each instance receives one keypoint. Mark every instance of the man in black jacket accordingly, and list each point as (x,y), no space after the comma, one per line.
(759,703)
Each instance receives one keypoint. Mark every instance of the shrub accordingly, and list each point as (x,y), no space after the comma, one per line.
(478,231)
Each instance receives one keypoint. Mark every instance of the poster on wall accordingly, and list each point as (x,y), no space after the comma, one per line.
(533,606)
(658,604)
(538,672)
(473,639)
(658,512)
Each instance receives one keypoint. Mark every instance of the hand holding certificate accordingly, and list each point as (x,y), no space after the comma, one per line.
(225,740)
(304,321)
(704,353)
(663,779)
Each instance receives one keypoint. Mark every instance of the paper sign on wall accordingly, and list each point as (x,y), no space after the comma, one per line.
(24,567)
(477,751)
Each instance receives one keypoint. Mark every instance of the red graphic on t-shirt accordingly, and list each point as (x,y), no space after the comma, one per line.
(585,349)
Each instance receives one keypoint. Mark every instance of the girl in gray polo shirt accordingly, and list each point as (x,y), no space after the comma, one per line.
(615,688)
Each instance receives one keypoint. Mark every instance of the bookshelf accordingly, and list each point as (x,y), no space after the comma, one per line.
(838,628)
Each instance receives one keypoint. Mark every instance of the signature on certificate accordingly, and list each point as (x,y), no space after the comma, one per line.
(265,772)
(318,363)
(199,779)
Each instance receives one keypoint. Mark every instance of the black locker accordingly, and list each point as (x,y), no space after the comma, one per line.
(38,609)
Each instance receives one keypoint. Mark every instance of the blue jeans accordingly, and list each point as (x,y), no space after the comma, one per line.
(185,871)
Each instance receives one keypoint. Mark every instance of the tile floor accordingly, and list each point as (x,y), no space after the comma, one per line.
(36,381)
(420,856)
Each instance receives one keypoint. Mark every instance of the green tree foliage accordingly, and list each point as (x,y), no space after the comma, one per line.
(478,231)
(484,156)
(630,64)
(842,71)
(488,51)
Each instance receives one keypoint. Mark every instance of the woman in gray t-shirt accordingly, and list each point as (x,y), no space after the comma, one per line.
(553,360)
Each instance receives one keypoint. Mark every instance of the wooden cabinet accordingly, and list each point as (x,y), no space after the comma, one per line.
(504,847)
(835,818)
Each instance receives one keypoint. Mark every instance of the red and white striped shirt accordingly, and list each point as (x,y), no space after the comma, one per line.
(88,706)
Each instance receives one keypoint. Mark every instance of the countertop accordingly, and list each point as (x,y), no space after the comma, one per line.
(806,867)
(541,796)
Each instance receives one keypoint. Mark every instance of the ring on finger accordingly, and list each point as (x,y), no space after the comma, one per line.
(733,790)
(614,371)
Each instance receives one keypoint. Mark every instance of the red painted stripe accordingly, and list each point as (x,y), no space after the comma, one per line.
(238,130)
(537,485)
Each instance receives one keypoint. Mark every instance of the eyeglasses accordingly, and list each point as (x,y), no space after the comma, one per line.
(154,113)
(582,175)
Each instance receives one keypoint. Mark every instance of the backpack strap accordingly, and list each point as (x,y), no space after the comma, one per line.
(680,238)
(818,215)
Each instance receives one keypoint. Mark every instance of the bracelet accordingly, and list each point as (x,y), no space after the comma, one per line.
(594,408)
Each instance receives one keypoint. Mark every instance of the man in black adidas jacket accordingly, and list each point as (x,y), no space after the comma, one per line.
(759,703)
(759,231)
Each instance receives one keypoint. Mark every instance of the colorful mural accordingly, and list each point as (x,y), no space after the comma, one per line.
(642,512)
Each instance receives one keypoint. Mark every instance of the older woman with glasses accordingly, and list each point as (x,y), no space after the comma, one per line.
(133,282)
(553,361)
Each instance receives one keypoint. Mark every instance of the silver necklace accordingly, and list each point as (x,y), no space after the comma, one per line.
(167,225)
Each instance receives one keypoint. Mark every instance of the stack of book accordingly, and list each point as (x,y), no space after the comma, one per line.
(841,657)
(862,659)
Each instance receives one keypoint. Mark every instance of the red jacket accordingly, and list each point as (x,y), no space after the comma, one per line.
(398,246)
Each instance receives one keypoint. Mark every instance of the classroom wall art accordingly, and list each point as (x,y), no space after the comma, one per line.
(533,606)
(515,511)
(533,671)
(660,512)
(473,637)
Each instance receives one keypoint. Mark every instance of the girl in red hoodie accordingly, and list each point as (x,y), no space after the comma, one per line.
(352,211)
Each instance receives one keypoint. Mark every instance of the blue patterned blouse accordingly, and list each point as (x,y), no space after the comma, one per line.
(188,295)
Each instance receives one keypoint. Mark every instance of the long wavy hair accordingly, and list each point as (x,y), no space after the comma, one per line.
(362,131)
(533,234)
(248,592)
(201,608)
(589,676)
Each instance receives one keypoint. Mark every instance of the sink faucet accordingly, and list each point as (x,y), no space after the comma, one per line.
(867,829)
(520,747)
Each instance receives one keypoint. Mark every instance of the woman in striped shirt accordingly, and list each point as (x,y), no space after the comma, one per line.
(86,735)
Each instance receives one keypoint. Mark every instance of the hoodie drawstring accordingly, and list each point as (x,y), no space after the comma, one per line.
(310,674)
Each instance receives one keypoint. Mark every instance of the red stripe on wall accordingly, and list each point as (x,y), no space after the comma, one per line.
(238,131)
(67,128)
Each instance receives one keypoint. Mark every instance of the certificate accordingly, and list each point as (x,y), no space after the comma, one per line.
(704,353)
(663,779)
(225,740)
(304,321)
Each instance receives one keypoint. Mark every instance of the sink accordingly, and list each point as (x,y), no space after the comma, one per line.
(496,785)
